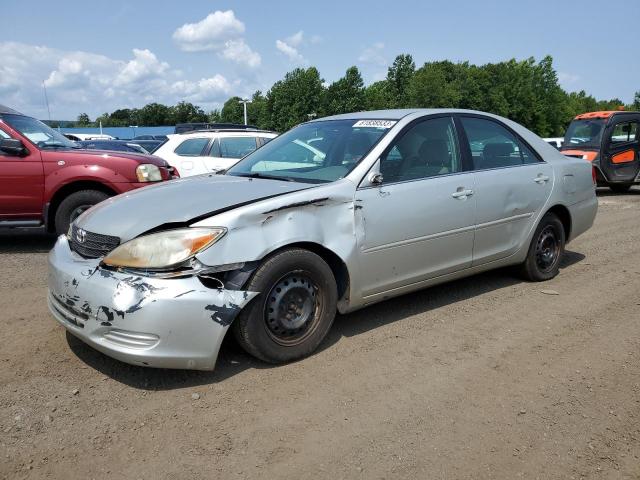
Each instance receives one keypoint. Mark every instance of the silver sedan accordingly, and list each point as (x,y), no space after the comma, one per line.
(334,215)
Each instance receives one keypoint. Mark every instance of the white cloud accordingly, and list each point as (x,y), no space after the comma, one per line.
(239,52)
(78,81)
(567,78)
(289,47)
(374,55)
(209,33)
(219,32)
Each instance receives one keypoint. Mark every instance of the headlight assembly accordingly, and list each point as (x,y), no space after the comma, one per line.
(163,249)
(148,172)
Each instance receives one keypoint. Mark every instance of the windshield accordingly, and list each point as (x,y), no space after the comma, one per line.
(36,131)
(584,133)
(317,152)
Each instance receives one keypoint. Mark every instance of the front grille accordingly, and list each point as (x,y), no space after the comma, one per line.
(92,245)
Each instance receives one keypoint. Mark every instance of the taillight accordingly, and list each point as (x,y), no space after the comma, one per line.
(593,175)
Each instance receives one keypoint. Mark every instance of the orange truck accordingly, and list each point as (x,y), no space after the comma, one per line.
(609,140)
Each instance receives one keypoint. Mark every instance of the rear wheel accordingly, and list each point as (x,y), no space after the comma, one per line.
(545,251)
(75,205)
(620,187)
(294,310)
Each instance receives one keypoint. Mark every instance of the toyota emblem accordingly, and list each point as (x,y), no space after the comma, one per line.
(81,235)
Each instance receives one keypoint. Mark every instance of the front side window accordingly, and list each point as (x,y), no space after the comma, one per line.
(315,152)
(428,149)
(192,147)
(624,132)
(236,147)
(493,146)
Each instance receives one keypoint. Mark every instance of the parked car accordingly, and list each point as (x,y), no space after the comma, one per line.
(46,179)
(162,138)
(399,200)
(81,137)
(210,151)
(150,145)
(610,141)
(113,145)
(555,142)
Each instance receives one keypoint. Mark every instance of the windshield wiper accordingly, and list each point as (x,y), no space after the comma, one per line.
(265,176)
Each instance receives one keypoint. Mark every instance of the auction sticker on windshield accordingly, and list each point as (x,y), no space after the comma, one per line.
(374,123)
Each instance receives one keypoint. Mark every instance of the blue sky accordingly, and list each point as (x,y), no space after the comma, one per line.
(97,56)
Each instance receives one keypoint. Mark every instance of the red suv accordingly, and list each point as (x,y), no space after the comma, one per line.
(46,179)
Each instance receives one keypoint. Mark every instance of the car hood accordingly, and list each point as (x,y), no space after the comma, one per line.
(178,203)
(103,155)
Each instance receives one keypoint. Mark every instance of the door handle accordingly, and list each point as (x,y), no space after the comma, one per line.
(461,193)
(541,179)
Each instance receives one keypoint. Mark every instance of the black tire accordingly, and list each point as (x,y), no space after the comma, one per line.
(294,310)
(620,187)
(545,251)
(70,208)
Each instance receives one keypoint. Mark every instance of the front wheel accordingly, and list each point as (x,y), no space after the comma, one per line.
(74,205)
(545,251)
(295,308)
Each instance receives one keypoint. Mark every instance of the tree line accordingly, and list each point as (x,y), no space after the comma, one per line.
(525,91)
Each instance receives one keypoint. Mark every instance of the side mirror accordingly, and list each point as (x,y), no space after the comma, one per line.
(12,146)
(375,178)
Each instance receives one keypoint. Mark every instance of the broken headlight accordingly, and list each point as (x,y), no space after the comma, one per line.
(163,249)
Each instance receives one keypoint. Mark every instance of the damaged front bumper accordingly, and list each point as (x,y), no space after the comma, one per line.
(165,323)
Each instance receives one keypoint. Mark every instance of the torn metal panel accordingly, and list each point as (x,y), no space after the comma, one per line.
(188,319)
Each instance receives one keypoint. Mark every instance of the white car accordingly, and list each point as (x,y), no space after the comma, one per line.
(83,137)
(555,141)
(210,151)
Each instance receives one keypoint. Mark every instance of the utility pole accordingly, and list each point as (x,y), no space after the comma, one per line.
(244,103)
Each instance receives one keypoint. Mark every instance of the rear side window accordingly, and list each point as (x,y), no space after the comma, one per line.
(493,146)
(237,147)
(192,147)
(624,132)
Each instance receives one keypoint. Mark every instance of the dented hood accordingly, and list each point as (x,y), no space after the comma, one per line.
(178,202)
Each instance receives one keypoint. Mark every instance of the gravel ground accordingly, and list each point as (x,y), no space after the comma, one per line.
(487,377)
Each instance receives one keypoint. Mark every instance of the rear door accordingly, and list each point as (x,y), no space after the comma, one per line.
(21,183)
(512,185)
(227,150)
(620,152)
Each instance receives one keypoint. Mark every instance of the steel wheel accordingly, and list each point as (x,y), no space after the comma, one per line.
(291,308)
(78,211)
(547,249)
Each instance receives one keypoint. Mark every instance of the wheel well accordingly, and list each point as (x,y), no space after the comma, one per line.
(337,266)
(565,217)
(67,190)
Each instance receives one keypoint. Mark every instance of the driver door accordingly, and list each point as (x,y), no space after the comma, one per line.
(621,159)
(21,183)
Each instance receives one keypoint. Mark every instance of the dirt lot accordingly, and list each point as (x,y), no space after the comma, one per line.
(487,377)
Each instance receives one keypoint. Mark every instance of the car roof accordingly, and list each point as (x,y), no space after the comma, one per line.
(397,114)
(217,133)
(5,109)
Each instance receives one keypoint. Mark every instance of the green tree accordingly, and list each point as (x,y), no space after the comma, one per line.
(399,75)
(295,99)
(257,110)
(377,96)
(214,116)
(83,120)
(153,114)
(345,94)
(232,111)
(636,102)
(185,112)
